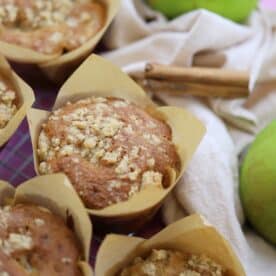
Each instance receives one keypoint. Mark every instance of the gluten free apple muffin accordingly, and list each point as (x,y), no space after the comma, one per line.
(173,263)
(109,148)
(50,26)
(34,241)
(7,103)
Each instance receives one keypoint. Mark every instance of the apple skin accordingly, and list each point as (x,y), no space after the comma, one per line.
(236,10)
(258,183)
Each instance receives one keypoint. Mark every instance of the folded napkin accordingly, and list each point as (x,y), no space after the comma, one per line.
(140,35)
(210,184)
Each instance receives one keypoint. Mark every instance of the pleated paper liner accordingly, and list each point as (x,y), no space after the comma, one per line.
(58,66)
(190,235)
(98,77)
(25,99)
(55,193)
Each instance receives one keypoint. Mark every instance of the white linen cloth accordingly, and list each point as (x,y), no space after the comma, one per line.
(135,42)
(210,184)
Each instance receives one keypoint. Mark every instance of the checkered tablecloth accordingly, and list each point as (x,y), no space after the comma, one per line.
(16,159)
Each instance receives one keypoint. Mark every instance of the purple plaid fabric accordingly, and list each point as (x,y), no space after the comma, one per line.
(16,162)
(16,159)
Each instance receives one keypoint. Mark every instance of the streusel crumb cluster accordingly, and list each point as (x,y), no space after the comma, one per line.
(173,263)
(50,26)
(7,103)
(109,148)
(34,241)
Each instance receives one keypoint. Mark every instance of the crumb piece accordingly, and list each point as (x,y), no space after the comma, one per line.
(39,222)
(151,178)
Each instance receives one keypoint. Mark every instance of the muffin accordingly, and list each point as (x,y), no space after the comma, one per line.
(35,241)
(16,98)
(50,27)
(162,262)
(42,233)
(188,247)
(109,148)
(122,153)
(8,102)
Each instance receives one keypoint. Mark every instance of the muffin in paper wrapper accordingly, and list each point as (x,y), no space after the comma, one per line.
(192,235)
(90,79)
(25,99)
(55,193)
(58,66)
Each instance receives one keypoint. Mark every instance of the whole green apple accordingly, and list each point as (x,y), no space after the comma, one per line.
(258,183)
(237,10)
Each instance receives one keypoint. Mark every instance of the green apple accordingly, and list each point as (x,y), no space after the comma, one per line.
(258,183)
(237,10)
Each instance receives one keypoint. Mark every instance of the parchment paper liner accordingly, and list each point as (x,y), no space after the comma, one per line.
(55,193)
(190,235)
(98,77)
(56,66)
(25,98)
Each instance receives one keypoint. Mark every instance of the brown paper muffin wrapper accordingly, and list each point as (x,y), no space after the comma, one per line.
(25,97)
(192,234)
(57,67)
(55,193)
(98,77)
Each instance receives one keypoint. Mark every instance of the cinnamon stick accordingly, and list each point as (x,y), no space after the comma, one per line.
(198,75)
(203,90)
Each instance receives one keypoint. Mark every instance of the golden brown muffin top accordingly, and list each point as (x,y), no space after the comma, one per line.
(7,103)
(173,263)
(110,149)
(50,26)
(33,241)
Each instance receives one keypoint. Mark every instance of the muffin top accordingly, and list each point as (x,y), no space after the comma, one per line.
(7,102)
(173,263)
(109,148)
(50,26)
(33,241)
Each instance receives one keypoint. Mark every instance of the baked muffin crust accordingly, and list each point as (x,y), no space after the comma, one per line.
(33,241)
(109,148)
(173,263)
(50,26)
(7,102)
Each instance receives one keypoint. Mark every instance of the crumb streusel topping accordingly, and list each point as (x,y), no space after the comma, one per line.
(34,241)
(7,103)
(173,263)
(50,26)
(109,148)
